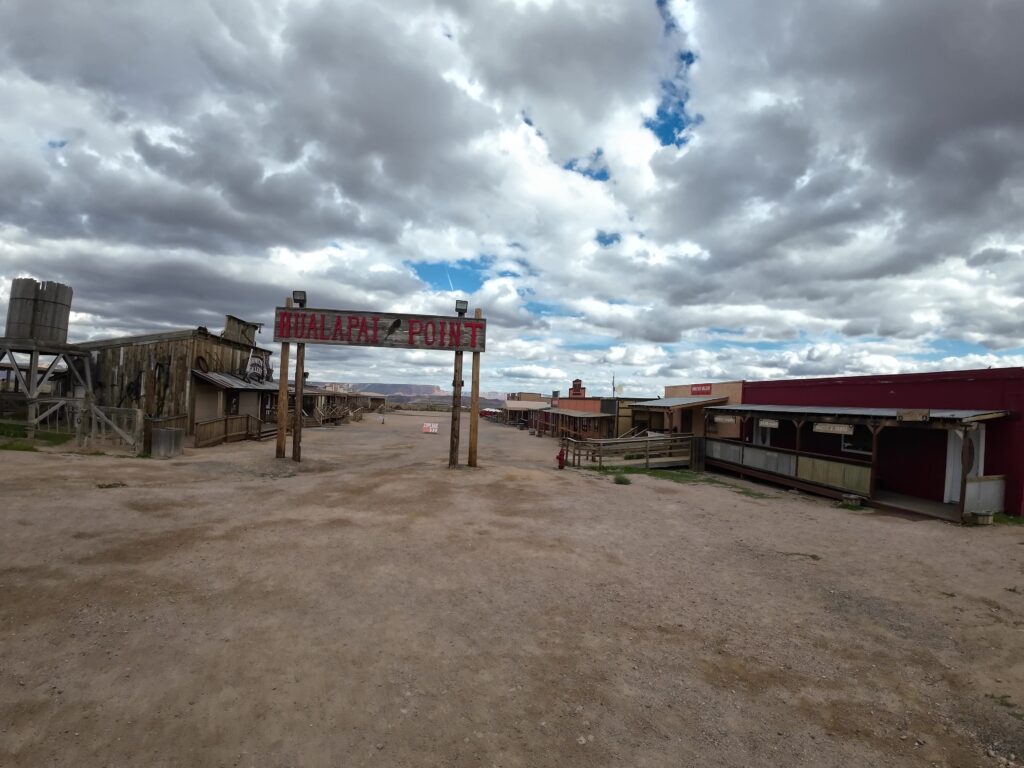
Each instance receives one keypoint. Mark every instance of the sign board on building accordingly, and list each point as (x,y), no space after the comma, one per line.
(834,429)
(700,389)
(379,329)
(913,414)
(725,419)
(431,427)
(768,423)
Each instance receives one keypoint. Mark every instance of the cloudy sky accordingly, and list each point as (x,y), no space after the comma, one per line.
(670,192)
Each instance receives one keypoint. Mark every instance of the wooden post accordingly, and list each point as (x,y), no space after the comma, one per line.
(33,392)
(453,448)
(474,402)
(282,395)
(873,483)
(300,370)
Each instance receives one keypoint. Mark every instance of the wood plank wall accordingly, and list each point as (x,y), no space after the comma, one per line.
(160,371)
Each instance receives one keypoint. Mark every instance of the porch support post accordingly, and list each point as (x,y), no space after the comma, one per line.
(966,461)
(875,432)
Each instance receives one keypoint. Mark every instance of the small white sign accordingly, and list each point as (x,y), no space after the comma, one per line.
(768,423)
(834,429)
(725,419)
(431,427)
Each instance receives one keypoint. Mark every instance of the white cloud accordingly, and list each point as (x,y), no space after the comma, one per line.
(848,201)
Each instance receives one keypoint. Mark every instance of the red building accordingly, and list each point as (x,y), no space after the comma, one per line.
(940,443)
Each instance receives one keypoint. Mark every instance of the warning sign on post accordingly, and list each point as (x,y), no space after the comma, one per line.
(431,427)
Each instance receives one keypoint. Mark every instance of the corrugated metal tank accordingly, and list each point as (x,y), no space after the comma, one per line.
(38,311)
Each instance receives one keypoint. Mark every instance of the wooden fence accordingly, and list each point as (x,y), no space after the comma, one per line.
(647,452)
(111,427)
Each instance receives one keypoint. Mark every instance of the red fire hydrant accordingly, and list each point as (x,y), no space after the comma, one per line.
(561,458)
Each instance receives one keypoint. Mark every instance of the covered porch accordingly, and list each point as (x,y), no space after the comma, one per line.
(924,461)
(578,425)
(673,415)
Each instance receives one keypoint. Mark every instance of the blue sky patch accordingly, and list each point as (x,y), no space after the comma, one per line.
(671,118)
(667,19)
(594,167)
(57,143)
(606,239)
(464,276)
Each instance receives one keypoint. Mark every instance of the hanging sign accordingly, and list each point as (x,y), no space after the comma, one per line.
(913,414)
(834,429)
(768,423)
(379,329)
(725,419)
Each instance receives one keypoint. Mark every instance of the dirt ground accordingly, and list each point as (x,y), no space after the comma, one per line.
(371,607)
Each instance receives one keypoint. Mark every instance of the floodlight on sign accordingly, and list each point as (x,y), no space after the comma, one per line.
(461,306)
(299,298)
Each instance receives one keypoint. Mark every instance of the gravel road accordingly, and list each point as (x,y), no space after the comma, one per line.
(371,607)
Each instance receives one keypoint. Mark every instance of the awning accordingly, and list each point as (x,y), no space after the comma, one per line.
(525,405)
(230,381)
(580,414)
(677,403)
(863,415)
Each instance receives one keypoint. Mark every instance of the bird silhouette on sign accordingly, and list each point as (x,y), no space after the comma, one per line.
(395,325)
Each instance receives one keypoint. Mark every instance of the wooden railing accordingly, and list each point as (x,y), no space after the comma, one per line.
(666,451)
(829,471)
(227,429)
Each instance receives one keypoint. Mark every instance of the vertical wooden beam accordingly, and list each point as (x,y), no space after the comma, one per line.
(873,484)
(282,395)
(33,394)
(453,448)
(300,381)
(474,401)
(966,461)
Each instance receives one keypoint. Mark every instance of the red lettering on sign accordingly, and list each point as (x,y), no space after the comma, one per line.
(364,331)
(700,389)
(353,322)
(454,334)
(284,324)
(376,322)
(415,326)
(429,333)
(299,329)
(440,334)
(339,329)
(323,328)
(473,328)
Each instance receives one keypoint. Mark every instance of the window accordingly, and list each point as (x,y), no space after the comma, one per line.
(858,442)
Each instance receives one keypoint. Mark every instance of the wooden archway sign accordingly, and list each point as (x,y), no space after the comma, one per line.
(302,325)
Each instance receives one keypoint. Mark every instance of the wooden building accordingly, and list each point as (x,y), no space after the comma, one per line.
(946,444)
(188,373)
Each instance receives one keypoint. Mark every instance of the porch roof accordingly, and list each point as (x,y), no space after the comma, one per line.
(677,403)
(580,414)
(526,405)
(838,412)
(230,381)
